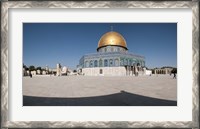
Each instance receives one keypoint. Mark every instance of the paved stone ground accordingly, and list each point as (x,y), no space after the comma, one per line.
(158,90)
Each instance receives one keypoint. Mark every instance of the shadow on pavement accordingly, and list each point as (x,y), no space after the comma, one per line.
(119,99)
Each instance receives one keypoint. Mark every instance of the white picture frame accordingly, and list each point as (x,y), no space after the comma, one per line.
(5,109)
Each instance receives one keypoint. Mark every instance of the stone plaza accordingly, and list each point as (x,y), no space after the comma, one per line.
(154,90)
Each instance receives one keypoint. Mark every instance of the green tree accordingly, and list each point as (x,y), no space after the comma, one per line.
(31,68)
(24,66)
(174,70)
(39,68)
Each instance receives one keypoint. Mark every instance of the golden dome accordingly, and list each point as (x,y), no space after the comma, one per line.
(112,39)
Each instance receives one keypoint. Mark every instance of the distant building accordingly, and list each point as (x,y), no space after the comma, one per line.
(167,70)
(58,71)
(112,58)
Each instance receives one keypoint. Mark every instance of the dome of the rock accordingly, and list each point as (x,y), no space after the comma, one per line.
(112,39)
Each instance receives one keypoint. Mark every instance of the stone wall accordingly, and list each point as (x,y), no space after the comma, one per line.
(106,71)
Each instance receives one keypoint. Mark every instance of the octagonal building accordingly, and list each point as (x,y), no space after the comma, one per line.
(112,58)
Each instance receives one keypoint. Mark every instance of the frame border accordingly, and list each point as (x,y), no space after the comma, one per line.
(5,6)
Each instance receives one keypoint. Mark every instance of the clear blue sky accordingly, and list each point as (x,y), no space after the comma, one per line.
(65,43)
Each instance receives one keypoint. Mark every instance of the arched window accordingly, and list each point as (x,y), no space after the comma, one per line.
(130,62)
(126,62)
(118,49)
(112,49)
(142,63)
(121,62)
(108,49)
(86,64)
(111,62)
(95,63)
(91,63)
(100,63)
(133,63)
(105,63)
(105,49)
(116,62)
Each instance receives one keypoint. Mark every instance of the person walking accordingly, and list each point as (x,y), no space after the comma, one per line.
(174,76)
(30,75)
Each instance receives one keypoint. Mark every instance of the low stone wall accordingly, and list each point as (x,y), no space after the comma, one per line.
(106,71)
